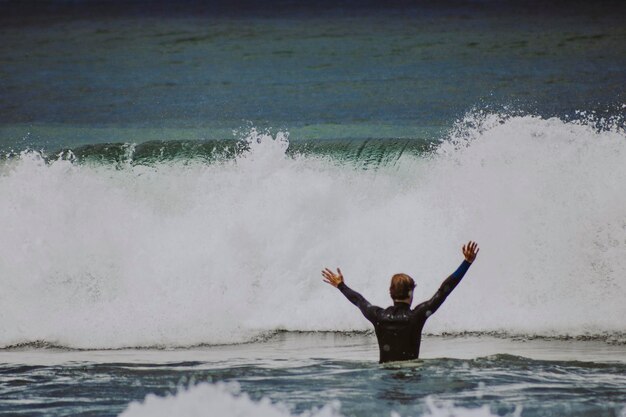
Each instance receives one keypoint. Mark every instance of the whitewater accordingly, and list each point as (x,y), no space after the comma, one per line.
(227,400)
(180,253)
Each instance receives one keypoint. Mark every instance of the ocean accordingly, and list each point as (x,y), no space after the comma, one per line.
(175,175)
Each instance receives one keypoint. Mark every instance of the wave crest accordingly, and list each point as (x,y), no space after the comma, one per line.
(181,254)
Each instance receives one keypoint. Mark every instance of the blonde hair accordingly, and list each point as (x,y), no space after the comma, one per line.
(401,286)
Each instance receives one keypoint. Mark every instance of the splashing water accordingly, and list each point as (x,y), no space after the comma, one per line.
(178,253)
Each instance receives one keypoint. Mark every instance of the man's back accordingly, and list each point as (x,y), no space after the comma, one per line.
(399,332)
(399,328)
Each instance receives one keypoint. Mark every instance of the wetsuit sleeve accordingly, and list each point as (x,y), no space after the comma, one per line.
(369,311)
(430,306)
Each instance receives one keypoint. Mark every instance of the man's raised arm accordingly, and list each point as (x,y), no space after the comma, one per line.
(469,253)
(336,280)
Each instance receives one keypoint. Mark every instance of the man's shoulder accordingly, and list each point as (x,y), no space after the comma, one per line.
(422,309)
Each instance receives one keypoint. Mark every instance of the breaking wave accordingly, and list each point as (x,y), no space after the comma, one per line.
(185,251)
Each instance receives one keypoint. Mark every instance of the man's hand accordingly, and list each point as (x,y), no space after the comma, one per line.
(331,278)
(470,251)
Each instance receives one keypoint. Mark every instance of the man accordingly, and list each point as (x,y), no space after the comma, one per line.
(398,328)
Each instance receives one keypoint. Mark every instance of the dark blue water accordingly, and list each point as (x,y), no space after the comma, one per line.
(82,73)
(504,384)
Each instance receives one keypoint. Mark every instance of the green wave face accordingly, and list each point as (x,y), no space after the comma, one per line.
(360,152)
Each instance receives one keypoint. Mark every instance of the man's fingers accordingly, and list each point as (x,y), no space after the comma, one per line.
(470,249)
(330,283)
(330,274)
(330,277)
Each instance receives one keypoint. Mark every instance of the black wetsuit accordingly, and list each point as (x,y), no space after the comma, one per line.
(398,328)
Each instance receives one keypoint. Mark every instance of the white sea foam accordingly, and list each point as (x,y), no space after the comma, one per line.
(182,254)
(226,400)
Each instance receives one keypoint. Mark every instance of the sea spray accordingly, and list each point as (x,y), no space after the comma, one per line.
(180,253)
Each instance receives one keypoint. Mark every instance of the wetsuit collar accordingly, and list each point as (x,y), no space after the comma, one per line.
(401,304)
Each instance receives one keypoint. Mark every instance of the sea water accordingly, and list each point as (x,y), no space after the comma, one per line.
(327,374)
(154,262)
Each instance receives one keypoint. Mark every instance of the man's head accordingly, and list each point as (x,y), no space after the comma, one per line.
(401,288)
